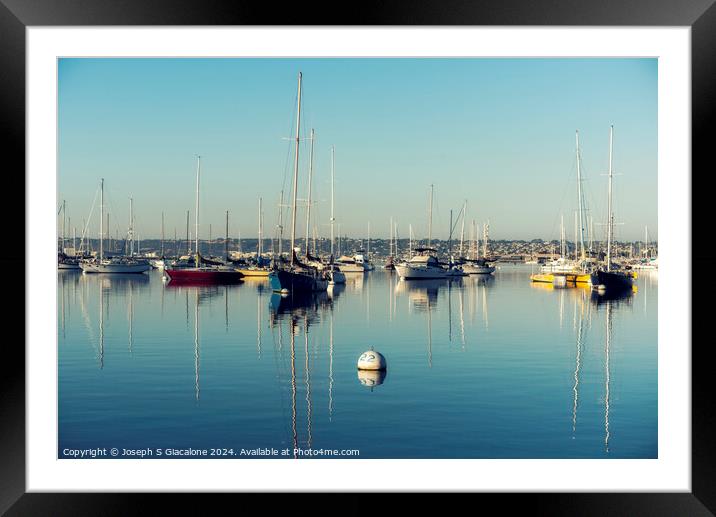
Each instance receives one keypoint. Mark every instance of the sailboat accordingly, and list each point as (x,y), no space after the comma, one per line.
(160,263)
(647,262)
(211,274)
(606,279)
(296,277)
(424,264)
(393,252)
(257,270)
(479,265)
(563,270)
(114,264)
(65,261)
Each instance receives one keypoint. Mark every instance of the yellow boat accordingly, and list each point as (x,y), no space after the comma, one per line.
(582,278)
(571,278)
(254,272)
(547,278)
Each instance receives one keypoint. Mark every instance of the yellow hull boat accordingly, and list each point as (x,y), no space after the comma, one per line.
(249,272)
(572,278)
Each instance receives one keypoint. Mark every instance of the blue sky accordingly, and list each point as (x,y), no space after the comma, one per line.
(499,133)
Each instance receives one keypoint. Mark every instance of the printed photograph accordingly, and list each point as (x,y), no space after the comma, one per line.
(357,258)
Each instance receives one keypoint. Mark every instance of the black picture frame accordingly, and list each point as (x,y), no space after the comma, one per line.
(700,15)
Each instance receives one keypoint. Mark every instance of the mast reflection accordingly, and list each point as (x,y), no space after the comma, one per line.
(196,346)
(308,310)
(610,302)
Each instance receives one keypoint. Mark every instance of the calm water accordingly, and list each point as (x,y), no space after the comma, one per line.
(477,368)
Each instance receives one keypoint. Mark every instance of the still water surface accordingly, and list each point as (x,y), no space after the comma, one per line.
(491,367)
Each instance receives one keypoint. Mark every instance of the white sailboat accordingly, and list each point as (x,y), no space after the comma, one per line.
(424,264)
(114,264)
(647,262)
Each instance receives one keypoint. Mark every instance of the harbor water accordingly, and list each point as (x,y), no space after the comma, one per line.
(477,367)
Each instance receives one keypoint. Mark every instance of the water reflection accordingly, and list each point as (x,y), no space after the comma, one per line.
(609,304)
(584,300)
(294,312)
(425,297)
(307,394)
(109,286)
(310,305)
(335,290)
(423,294)
(197,302)
(584,310)
(371,378)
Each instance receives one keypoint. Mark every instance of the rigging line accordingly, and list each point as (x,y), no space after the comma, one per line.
(289,146)
(89,219)
(115,218)
(567,187)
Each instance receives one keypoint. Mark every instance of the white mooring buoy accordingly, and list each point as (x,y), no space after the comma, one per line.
(371,360)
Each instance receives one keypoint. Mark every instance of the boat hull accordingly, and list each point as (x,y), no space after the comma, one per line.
(204,276)
(478,270)
(159,264)
(65,266)
(296,282)
(89,267)
(416,273)
(264,273)
(570,278)
(613,281)
(351,268)
(336,277)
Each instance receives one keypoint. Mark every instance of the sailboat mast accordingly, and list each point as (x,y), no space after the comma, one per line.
(101,220)
(477,239)
(188,243)
(430,217)
(259,246)
(609,203)
(226,238)
(280,224)
(462,229)
(295,170)
(162,234)
(450,236)
(580,203)
(131,227)
(64,223)
(308,204)
(395,239)
(368,252)
(576,236)
(196,217)
(485,232)
(333,219)
(390,243)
